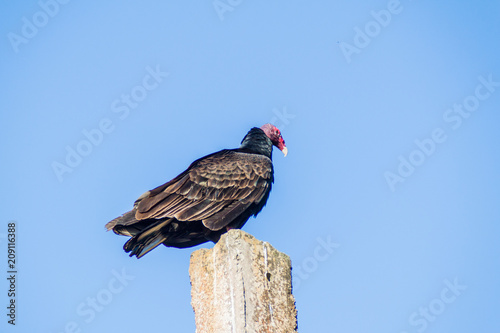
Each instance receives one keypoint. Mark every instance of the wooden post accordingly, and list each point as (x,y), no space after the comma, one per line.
(242,285)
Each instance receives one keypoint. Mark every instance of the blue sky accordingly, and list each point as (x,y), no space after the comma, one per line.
(387,204)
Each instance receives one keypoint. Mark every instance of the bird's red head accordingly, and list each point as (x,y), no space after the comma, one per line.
(274,134)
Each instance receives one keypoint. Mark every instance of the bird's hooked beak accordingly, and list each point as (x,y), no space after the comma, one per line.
(281,146)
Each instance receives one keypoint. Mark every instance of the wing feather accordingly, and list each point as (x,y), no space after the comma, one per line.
(215,189)
(223,218)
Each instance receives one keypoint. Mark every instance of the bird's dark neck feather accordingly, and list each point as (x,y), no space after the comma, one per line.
(257,141)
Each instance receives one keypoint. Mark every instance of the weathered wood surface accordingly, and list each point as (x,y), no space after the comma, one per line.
(242,285)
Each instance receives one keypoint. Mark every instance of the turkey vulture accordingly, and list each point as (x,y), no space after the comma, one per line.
(216,193)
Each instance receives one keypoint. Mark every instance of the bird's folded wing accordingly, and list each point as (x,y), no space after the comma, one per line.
(215,189)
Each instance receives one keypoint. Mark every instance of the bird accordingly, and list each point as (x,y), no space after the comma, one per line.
(216,193)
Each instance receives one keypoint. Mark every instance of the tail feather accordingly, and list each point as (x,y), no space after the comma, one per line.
(147,239)
(149,233)
(140,249)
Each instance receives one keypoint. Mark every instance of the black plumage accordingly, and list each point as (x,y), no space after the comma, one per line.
(216,193)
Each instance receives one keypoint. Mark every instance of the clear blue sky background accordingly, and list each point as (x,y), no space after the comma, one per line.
(348,118)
